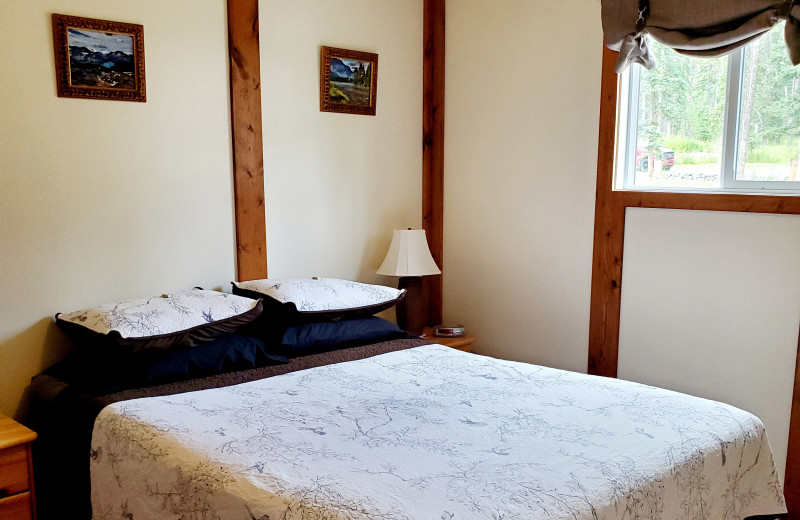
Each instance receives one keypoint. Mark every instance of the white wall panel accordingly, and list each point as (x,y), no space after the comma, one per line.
(522,104)
(338,184)
(105,200)
(711,306)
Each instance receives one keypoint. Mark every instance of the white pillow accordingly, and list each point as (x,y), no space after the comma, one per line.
(322,295)
(166,319)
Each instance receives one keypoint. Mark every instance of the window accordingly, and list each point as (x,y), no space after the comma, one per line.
(731,122)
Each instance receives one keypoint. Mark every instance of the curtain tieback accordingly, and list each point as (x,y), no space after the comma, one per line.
(644,13)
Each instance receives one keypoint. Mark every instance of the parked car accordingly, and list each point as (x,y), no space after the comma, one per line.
(643,158)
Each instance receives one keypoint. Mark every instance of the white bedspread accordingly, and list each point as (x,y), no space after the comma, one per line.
(426,434)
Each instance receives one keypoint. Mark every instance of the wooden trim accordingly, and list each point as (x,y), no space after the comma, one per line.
(609,233)
(433,147)
(248,153)
(792,479)
(609,230)
(783,204)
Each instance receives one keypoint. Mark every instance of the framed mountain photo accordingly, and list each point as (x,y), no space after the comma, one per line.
(348,81)
(98,59)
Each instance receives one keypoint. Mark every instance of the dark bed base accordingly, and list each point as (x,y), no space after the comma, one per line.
(64,416)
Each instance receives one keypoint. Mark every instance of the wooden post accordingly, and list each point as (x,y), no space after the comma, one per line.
(248,148)
(433,148)
(609,230)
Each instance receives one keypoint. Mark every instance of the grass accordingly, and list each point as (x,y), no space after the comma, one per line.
(696,158)
(772,153)
(339,96)
(688,145)
(695,151)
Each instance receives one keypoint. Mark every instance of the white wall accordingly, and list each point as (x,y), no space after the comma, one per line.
(338,184)
(105,200)
(710,307)
(522,106)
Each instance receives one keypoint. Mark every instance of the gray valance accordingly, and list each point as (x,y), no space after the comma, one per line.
(694,27)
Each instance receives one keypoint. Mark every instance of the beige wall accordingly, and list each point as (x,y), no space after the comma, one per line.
(338,184)
(710,307)
(522,105)
(105,200)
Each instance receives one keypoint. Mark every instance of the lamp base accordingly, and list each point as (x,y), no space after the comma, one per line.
(412,311)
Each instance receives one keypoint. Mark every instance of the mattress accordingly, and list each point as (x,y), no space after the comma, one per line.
(431,432)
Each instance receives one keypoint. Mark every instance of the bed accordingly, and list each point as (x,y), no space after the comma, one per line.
(63,413)
(414,431)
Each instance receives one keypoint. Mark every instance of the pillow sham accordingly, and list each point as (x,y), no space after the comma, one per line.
(186,318)
(103,371)
(309,338)
(319,299)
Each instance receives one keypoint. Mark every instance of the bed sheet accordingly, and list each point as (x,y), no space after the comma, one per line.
(432,433)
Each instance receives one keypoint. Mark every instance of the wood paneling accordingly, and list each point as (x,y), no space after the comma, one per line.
(609,229)
(433,147)
(248,154)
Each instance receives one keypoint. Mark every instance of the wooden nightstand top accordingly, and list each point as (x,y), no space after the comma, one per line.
(13,433)
(461,343)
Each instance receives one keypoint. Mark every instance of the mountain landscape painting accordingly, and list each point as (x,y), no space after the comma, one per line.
(99,59)
(348,81)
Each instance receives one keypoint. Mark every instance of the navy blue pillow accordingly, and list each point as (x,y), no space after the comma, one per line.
(318,337)
(225,354)
(103,371)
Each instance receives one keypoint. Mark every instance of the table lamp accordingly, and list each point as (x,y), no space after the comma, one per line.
(410,259)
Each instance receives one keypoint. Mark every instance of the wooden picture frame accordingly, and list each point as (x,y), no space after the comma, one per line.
(98,59)
(348,81)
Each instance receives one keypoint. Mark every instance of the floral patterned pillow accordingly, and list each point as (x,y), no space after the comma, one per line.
(321,299)
(185,318)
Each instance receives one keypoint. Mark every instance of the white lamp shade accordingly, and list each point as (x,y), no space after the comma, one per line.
(408,255)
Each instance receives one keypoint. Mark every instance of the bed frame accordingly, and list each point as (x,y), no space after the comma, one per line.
(609,210)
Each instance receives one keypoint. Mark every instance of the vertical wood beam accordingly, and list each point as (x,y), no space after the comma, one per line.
(248,148)
(433,147)
(609,230)
(791,481)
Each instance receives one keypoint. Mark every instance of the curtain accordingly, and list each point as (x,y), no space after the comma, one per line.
(694,27)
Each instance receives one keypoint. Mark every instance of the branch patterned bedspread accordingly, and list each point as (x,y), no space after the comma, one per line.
(431,433)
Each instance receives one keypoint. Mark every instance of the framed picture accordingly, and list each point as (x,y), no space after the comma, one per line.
(348,81)
(98,59)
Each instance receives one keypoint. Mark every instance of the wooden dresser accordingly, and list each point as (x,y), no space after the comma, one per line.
(16,471)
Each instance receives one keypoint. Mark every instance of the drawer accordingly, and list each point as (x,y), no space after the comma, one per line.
(17,507)
(14,471)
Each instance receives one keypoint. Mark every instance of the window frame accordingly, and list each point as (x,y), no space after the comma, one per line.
(627,130)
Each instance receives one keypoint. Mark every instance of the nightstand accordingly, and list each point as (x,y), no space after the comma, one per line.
(16,471)
(461,343)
